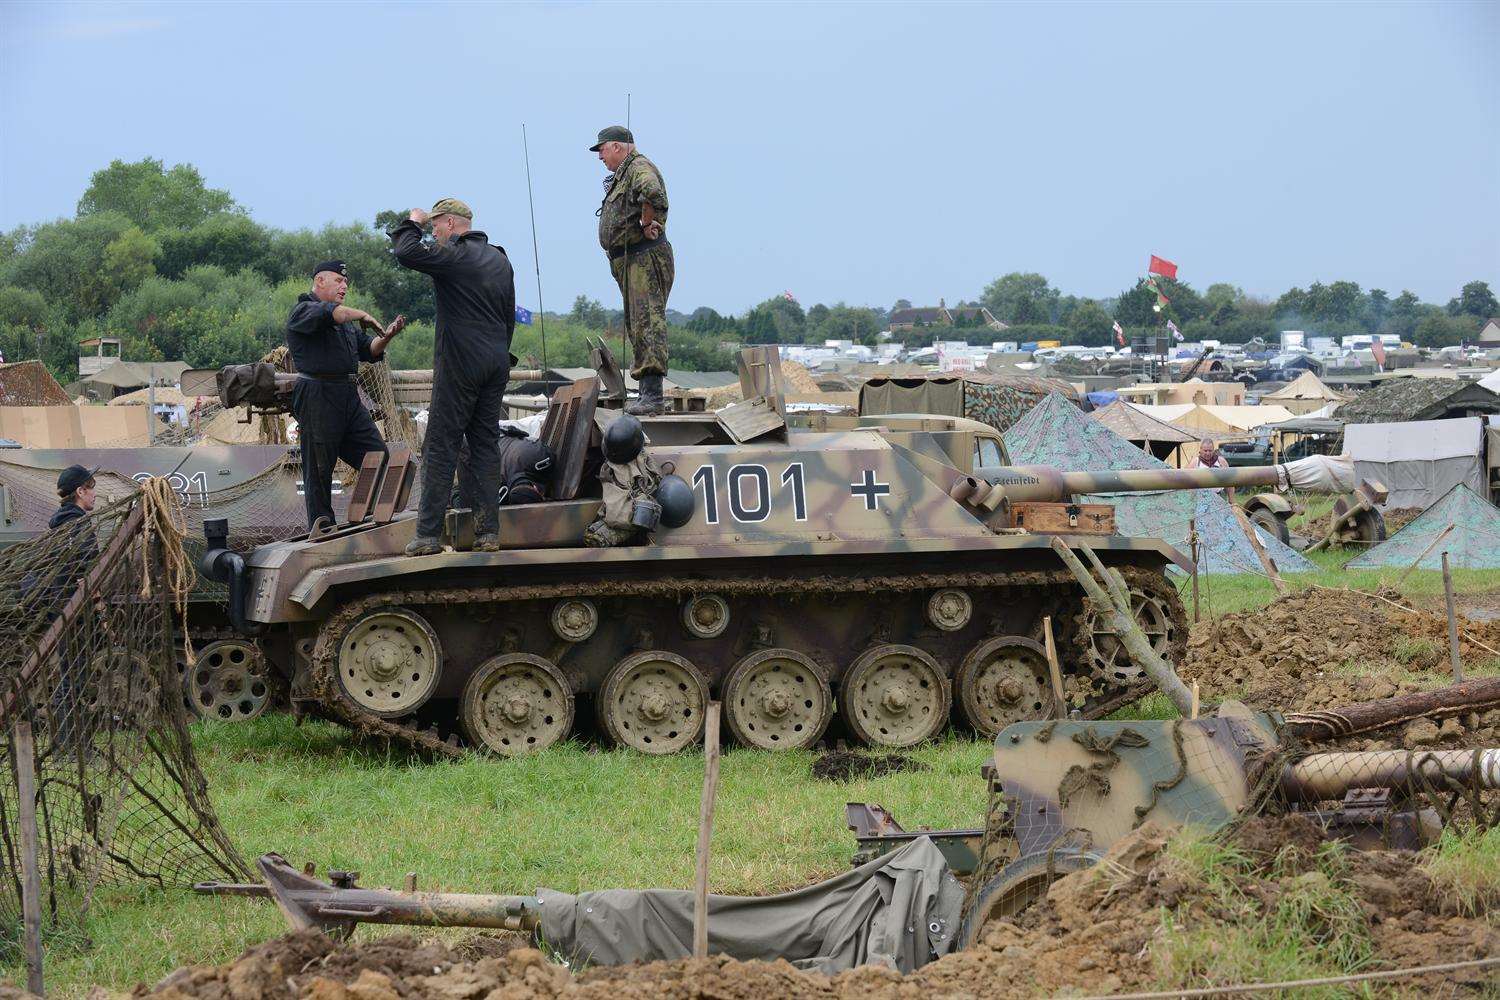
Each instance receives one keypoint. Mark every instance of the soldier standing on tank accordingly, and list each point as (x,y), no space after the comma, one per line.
(476,315)
(327,344)
(632,231)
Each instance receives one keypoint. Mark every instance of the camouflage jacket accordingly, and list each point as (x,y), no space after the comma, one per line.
(636,182)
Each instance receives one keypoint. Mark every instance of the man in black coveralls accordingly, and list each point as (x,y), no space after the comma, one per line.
(327,345)
(476,314)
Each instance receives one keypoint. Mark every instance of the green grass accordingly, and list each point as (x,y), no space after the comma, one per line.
(573,818)
(1468,865)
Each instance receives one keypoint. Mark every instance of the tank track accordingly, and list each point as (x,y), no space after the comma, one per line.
(1153,584)
(338,707)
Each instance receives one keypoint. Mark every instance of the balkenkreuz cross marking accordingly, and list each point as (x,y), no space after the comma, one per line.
(871,489)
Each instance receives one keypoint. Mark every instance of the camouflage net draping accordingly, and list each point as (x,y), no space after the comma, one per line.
(88,615)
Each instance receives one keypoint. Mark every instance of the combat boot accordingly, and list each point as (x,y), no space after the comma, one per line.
(650,402)
(489,542)
(420,546)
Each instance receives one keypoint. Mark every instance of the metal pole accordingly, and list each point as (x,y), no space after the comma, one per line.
(1453,657)
(31,879)
(705,829)
(536,256)
(151,412)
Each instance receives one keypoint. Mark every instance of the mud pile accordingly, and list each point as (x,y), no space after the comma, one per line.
(1318,648)
(849,765)
(1098,931)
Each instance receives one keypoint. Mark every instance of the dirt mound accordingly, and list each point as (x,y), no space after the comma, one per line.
(847,765)
(1395,519)
(1319,648)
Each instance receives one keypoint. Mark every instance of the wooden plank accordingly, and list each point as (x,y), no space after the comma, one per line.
(1454,659)
(706,828)
(362,499)
(750,419)
(31,878)
(1054,669)
(567,431)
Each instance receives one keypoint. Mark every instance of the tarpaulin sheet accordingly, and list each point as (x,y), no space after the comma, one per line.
(1419,461)
(900,911)
(1461,524)
(1056,433)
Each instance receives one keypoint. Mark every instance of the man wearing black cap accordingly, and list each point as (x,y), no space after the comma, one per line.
(75,492)
(326,343)
(632,230)
(475,290)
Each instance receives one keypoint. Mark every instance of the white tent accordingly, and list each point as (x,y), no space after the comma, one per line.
(1420,460)
(1491,381)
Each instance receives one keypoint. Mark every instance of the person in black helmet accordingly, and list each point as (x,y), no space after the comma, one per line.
(327,344)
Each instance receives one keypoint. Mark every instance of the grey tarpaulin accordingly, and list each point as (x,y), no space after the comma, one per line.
(900,911)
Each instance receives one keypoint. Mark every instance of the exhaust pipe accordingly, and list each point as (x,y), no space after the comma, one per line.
(221,565)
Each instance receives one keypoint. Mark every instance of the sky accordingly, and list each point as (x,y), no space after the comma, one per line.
(854,152)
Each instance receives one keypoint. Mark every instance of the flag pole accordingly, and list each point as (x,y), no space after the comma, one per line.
(536,257)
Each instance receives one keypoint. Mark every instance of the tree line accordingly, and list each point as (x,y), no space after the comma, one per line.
(178,270)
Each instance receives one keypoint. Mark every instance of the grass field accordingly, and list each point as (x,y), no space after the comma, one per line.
(572,818)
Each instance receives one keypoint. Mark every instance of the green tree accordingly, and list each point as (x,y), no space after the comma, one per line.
(153,197)
(1017,298)
(1439,330)
(1475,300)
(233,242)
(84,265)
(589,312)
(1089,326)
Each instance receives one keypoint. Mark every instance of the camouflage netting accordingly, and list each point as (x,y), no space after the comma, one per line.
(1461,524)
(87,621)
(1057,433)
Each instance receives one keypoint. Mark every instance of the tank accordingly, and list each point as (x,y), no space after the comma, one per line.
(876,579)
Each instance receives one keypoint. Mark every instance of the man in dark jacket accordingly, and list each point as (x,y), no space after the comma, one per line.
(75,491)
(476,314)
(327,344)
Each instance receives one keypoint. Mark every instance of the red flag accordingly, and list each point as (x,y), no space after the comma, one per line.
(1378,350)
(1165,268)
(1119,334)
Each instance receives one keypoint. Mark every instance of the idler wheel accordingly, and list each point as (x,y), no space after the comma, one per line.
(1003,680)
(653,702)
(228,681)
(777,699)
(895,696)
(1017,886)
(516,703)
(389,662)
(1103,652)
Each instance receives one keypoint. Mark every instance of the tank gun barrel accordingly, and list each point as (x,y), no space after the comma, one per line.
(1323,776)
(1046,482)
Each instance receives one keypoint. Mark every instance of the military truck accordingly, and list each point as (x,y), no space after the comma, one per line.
(878,575)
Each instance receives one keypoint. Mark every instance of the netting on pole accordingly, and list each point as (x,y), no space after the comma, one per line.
(88,614)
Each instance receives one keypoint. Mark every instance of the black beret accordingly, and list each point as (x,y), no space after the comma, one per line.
(74,476)
(336,266)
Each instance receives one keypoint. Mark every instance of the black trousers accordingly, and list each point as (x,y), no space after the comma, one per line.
(332,424)
(467,400)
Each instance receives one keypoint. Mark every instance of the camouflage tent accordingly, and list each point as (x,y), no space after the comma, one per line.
(997,400)
(1460,524)
(1055,432)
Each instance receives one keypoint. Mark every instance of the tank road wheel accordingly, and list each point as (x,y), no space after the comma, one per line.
(1003,680)
(777,699)
(516,703)
(1103,652)
(705,617)
(1017,886)
(895,696)
(389,662)
(228,681)
(653,702)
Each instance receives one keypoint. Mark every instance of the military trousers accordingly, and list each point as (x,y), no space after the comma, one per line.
(468,398)
(332,424)
(645,281)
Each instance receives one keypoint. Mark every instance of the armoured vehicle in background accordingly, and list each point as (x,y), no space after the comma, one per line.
(877,574)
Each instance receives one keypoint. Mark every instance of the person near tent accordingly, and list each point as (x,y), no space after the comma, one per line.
(76,498)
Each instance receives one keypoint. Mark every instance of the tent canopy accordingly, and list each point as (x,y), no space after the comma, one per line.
(1134,425)
(1306,386)
(1056,433)
(1420,460)
(1404,399)
(1460,524)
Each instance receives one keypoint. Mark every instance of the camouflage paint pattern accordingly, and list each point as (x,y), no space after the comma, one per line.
(636,182)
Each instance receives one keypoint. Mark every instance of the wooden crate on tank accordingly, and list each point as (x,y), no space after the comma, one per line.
(1065,518)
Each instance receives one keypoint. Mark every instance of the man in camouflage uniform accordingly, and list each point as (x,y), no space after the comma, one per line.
(632,230)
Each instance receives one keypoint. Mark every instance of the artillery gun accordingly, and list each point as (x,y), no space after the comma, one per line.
(879,573)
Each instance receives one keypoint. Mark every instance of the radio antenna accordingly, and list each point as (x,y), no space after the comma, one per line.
(536,257)
(627,109)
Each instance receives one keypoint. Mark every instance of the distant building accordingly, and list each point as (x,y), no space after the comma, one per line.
(96,354)
(941,315)
(1489,336)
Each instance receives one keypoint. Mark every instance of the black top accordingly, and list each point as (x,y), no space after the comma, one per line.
(320,346)
(475,290)
(72,567)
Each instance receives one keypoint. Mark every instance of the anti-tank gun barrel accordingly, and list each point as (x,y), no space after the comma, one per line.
(1023,483)
(1327,776)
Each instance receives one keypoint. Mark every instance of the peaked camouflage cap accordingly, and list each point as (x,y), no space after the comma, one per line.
(451,206)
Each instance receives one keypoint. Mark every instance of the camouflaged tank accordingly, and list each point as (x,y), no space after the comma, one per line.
(892,577)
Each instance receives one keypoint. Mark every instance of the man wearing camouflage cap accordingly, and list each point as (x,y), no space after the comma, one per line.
(632,230)
(475,290)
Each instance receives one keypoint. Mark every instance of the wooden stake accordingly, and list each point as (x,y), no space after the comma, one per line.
(1196,702)
(1059,699)
(1193,544)
(1265,560)
(706,828)
(31,878)
(1453,657)
(1425,552)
